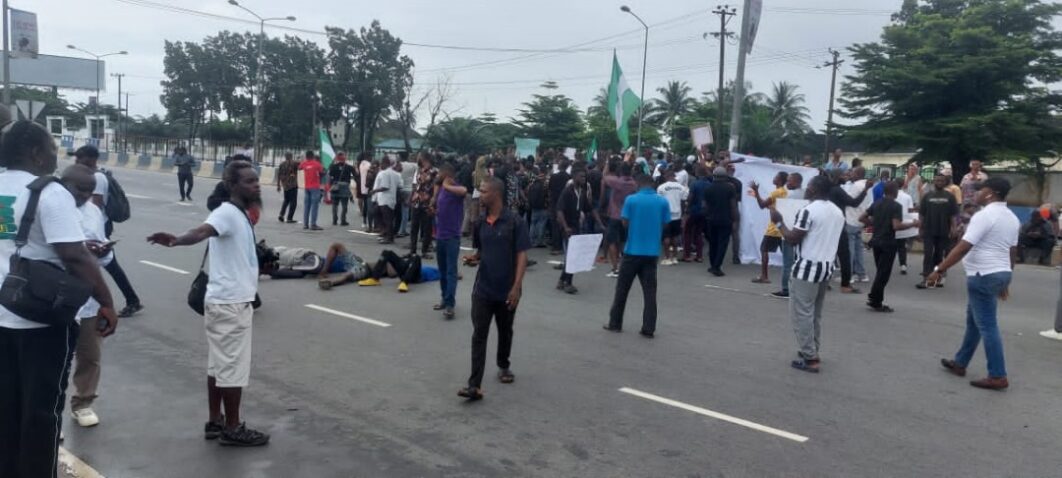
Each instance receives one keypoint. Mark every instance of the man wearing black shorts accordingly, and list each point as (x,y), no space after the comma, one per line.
(772,238)
(619,188)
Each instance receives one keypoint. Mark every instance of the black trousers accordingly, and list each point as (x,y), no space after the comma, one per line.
(185,179)
(565,277)
(408,269)
(718,236)
(483,311)
(34,369)
(420,227)
(901,251)
(116,272)
(935,247)
(556,234)
(337,203)
(387,222)
(644,268)
(884,257)
(844,256)
(1043,244)
(291,202)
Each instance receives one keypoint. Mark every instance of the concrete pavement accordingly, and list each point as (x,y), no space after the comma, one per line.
(343,397)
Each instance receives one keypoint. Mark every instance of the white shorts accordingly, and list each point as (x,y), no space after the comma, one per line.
(228,332)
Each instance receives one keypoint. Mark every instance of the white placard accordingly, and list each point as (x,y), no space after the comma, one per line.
(569,153)
(701,135)
(789,209)
(582,252)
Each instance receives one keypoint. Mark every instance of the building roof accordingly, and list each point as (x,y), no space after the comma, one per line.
(415,143)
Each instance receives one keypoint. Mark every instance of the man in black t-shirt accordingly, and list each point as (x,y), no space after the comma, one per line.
(937,212)
(720,201)
(537,201)
(886,217)
(574,204)
(557,182)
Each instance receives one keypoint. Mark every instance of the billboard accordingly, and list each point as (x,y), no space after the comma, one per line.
(58,71)
(24,33)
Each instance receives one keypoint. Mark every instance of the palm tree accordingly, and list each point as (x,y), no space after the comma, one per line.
(674,101)
(788,113)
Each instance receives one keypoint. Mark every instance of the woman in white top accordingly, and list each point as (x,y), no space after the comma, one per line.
(987,251)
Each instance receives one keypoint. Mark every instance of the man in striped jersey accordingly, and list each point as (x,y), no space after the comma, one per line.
(814,234)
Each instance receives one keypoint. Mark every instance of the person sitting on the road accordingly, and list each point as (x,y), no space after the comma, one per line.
(1039,235)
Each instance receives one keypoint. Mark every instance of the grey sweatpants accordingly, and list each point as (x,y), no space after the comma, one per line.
(1058,315)
(805,310)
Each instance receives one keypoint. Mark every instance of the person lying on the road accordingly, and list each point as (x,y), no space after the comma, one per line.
(297,262)
(408,269)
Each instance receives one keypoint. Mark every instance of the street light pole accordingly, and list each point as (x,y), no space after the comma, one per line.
(96,106)
(7,59)
(257,149)
(645,55)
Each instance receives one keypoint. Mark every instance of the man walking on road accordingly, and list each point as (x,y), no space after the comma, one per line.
(501,242)
(233,266)
(886,218)
(184,163)
(987,251)
(937,213)
(312,170)
(385,191)
(89,156)
(814,233)
(340,178)
(644,214)
(449,213)
(288,181)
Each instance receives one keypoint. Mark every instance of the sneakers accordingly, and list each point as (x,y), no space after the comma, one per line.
(903,270)
(1051,334)
(569,289)
(612,274)
(780,294)
(864,279)
(402,287)
(325,284)
(243,436)
(370,282)
(129,310)
(85,417)
(922,285)
(212,430)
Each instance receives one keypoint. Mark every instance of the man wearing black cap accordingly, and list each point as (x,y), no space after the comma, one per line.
(88,156)
(987,251)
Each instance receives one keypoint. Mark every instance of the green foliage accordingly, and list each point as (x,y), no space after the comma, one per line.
(553,119)
(961,80)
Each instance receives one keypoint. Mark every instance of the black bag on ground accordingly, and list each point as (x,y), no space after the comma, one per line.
(39,290)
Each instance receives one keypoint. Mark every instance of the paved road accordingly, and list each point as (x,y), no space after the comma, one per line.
(345,398)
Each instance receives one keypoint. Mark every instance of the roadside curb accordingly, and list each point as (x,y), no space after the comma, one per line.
(71,466)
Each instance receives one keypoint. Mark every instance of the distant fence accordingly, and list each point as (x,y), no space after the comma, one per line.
(201,149)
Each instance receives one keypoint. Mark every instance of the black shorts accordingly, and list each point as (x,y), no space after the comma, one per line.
(616,232)
(673,228)
(770,244)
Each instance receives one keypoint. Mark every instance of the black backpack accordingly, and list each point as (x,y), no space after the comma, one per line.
(116,206)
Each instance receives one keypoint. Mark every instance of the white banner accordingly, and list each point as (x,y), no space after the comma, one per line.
(753,219)
(24,34)
(582,252)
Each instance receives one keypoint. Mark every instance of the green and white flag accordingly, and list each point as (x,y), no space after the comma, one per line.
(591,153)
(327,152)
(622,102)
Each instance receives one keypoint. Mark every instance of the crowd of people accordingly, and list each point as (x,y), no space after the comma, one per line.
(651,210)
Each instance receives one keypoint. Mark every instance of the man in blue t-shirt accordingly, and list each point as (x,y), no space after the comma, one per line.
(644,215)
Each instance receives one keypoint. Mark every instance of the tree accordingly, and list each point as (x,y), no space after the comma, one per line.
(369,73)
(553,119)
(185,93)
(460,134)
(674,102)
(960,80)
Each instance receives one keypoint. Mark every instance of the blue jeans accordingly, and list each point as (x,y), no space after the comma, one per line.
(539,218)
(981,321)
(312,202)
(787,264)
(856,249)
(446,255)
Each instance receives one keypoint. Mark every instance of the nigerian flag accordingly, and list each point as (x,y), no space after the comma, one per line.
(327,153)
(622,102)
(592,151)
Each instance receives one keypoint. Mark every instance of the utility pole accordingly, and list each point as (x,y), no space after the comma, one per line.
(834,64)
(7,59)
(121,134)
(739,78)
(724,12)
(125,139)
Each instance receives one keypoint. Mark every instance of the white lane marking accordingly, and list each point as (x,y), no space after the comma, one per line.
(348,316)
(728,289)
(164,267)
(185,204)
(463,248)
(556,263)
(137,196)
(713,414)
(70,465)
(355,231)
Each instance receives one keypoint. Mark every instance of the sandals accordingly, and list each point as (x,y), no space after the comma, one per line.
(471,393)
(804,365)
(506,376)
(438,306)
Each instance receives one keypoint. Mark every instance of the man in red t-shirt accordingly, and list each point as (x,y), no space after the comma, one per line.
(312,171)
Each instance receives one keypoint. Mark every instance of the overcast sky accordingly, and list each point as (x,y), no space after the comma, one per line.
(794,36)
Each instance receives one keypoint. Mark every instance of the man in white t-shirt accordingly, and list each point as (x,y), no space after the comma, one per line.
(854,187)
(385,193)
(906,236)
(80,182)
(34,356)
(230,293)
(676,194)
(89,156)
(813,233)
(987,251)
